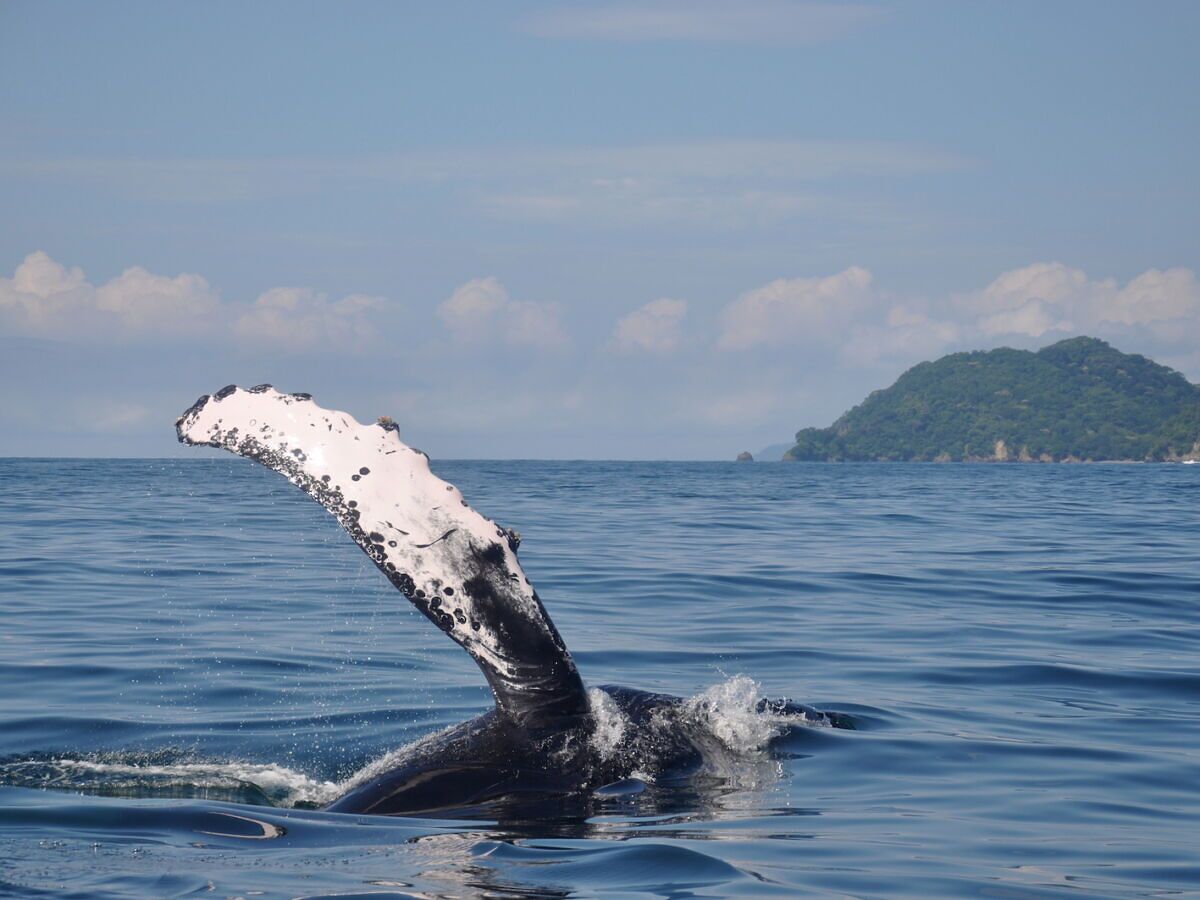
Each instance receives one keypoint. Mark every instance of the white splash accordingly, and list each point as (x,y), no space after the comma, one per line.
(611,725)
(285,787)
(730,712)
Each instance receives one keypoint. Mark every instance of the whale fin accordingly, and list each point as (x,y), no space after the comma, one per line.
(457,567)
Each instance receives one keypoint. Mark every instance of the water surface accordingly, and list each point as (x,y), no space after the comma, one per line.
(193,654)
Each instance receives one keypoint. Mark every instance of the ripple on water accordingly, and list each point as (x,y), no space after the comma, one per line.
(1017,647)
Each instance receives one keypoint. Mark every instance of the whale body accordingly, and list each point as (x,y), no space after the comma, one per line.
(547,736)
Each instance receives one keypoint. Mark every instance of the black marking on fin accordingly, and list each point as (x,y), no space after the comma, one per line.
(191,410)
(431,543)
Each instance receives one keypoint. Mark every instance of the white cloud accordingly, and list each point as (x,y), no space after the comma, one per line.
(143,300)
(1032,318)
(1045,297)
(796,310)
(534,324)
(906,333)
(481,311)
(300,319)
(1155,297)
(1042,301)
(1030,301)
(1048,282)
(471,308)
(40,276)
(747,21)
(45,298)
(654,328)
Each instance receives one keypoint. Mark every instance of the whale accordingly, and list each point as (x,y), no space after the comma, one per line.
(547,735)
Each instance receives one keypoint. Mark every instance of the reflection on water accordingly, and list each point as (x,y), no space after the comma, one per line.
(194,657)
(530,851)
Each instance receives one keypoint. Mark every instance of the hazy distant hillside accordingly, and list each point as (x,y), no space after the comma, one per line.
(1079,399)
(773,453)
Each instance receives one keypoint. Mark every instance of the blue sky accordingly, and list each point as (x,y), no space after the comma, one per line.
(666,229)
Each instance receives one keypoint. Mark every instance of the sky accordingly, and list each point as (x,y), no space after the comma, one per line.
(655,230)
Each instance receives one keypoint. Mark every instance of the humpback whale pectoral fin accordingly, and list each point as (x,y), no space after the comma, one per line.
(457,567)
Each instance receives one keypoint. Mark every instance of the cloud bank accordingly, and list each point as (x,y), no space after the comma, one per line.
(845,311)
(1043,300)
(46,299)
(1049,297)
(749,368)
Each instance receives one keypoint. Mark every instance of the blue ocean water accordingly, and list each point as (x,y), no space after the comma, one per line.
(192,654)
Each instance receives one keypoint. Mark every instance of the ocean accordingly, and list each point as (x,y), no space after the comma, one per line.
(193,655)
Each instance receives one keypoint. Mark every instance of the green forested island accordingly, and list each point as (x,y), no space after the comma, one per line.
(1077,400)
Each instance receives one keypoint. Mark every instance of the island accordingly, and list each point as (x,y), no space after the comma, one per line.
(1079,400)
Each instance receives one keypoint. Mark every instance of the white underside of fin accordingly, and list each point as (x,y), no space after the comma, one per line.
(457,566)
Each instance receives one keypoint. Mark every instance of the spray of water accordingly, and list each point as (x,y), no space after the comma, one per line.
(729,717)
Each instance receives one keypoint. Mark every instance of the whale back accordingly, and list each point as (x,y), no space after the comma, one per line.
(455,565)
